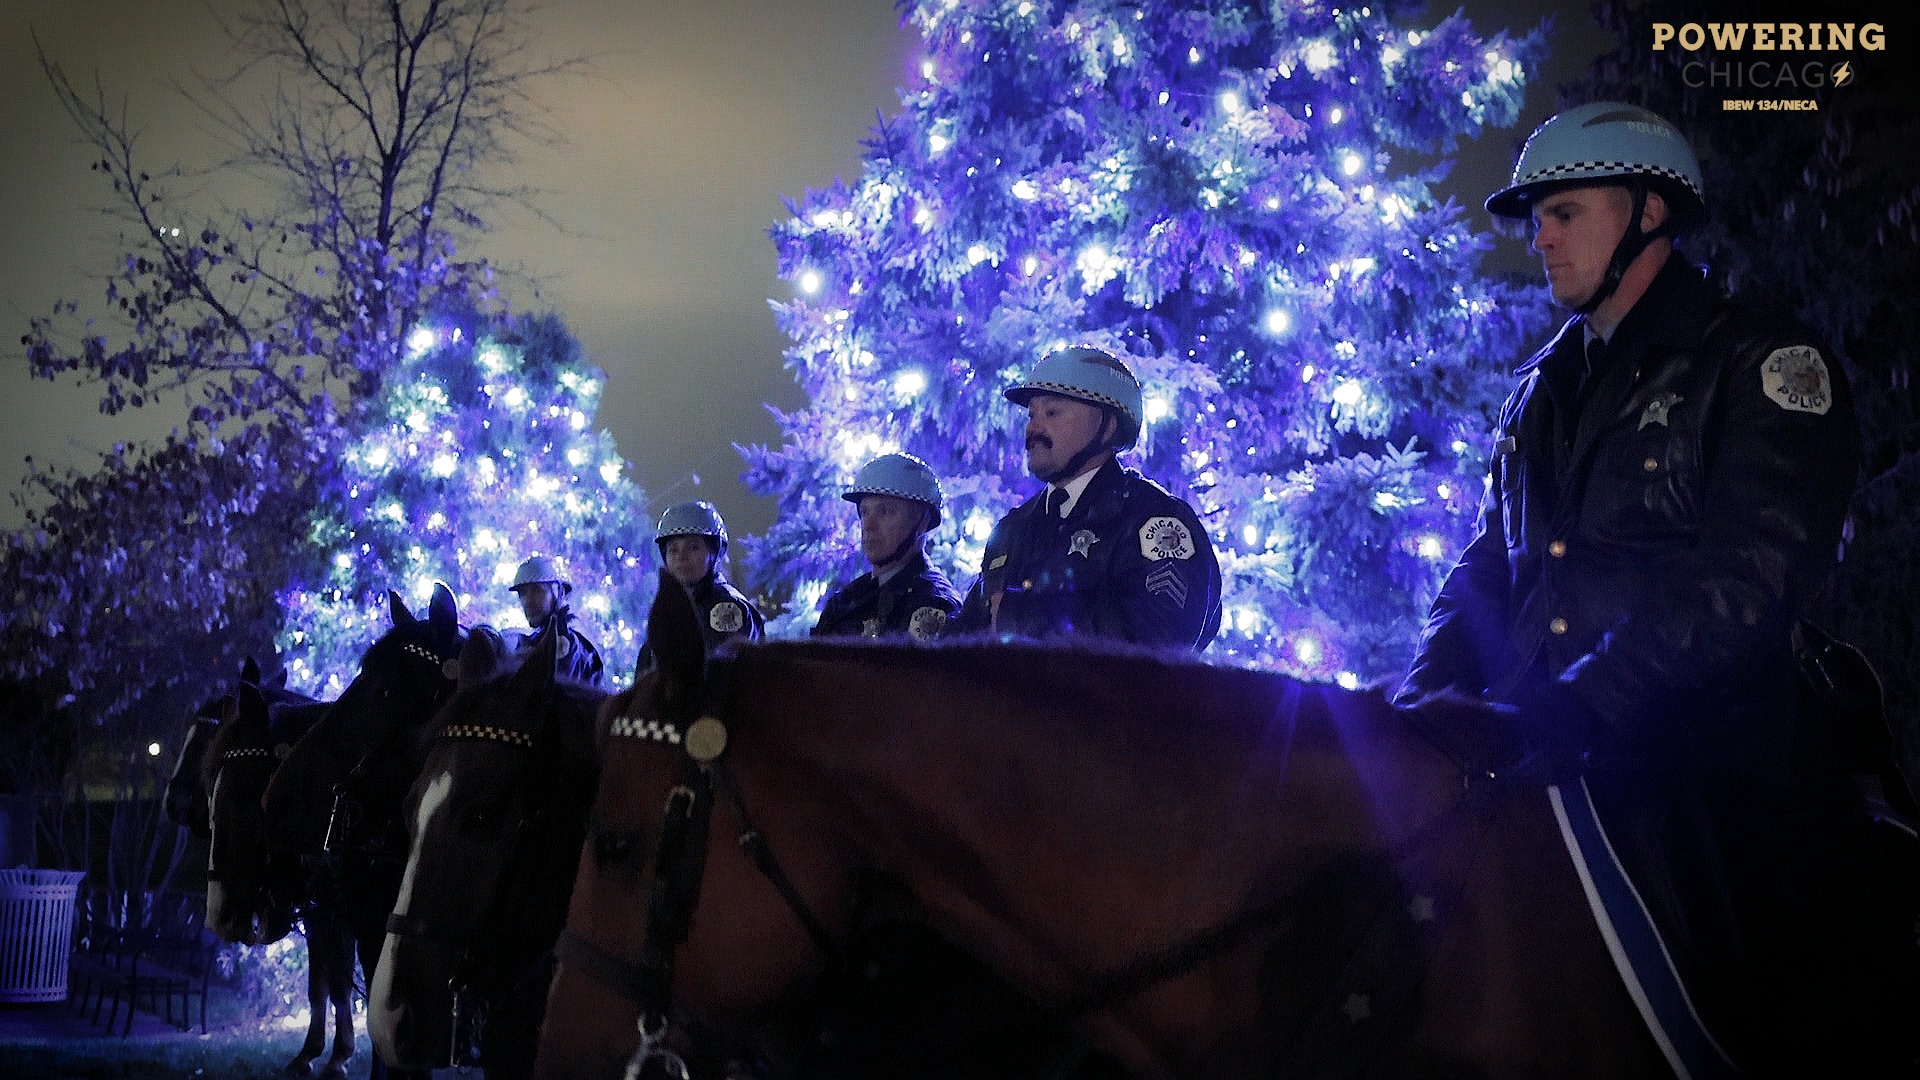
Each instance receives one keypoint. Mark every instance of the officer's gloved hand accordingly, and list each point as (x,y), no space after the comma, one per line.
(1475,732)
(1554,728)
(1543,735)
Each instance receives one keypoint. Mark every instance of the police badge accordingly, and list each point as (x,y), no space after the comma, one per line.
(726,617)
(1796,379)
(1081,543)
(1165,538)
(926,623)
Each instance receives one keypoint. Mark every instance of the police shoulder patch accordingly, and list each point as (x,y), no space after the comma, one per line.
(926,623)
(1165,538)
(1796,379)
(726,617)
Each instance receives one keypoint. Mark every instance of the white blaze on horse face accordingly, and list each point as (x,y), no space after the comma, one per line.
(382,1011)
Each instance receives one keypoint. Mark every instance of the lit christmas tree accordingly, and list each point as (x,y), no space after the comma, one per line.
(479,450)
(1212,194)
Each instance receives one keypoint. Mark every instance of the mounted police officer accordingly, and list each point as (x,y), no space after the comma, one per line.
(1100,550)
(693,547)
(898,500)
(1668,485)
(542,586)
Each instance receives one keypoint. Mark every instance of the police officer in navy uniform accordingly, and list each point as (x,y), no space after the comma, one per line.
(1668,485)
(1100,550)
(898,499)
(542,586)
(693,545)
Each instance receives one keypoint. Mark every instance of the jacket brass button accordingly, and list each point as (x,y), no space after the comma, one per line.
(1557,549)
(1558,625)
(1651,464)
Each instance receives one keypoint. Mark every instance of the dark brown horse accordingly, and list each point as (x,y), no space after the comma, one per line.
(1215,872)
(256,894)
(497,819)
(338,795)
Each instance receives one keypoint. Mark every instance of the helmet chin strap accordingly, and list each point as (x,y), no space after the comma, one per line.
(900,550)
(1087,453)
(1628,249)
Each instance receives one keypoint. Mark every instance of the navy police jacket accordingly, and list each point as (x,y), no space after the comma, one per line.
(916,601)
(1129,562)
(1646,545)
(1651,542)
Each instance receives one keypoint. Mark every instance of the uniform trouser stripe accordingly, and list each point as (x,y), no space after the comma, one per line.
(1638,952)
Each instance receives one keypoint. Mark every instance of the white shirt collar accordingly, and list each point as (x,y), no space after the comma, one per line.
(1075,487)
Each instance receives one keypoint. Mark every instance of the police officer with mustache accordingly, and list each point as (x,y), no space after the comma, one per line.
(1101,550)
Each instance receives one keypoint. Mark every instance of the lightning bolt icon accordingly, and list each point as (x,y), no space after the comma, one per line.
(1843,75)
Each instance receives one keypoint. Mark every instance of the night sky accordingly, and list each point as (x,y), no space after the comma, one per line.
(694,121)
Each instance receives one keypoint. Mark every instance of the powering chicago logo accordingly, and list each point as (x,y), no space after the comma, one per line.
(1770,66)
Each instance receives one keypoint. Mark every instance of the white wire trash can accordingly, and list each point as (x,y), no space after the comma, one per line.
(36,933)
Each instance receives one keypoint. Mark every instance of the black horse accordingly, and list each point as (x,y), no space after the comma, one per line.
(497,816)
(339,793)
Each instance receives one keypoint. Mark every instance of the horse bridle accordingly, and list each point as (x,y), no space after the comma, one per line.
(680,856)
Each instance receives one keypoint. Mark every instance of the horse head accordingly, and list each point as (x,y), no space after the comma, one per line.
(185,800)
(496,820)
(365,747)
(741,949)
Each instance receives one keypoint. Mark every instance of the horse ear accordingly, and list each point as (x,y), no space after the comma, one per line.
(253,704)
(279,681)
(673,635)
(443,614)
(398,611)
(250,671)
(480,657)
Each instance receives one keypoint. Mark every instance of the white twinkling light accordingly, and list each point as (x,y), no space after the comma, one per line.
(1193,55)
(1338,114)
(1278,321)
(609,472)
(1029,264)
(977,254)
(1230,102)
(1307,648)
(421,339)
(445,463)
(1431,547)
(377,457)
(1319,56)
(909,383)
(1348,393)
(1350,164)
(1024,190)
(1156,409)
(810,281)
(938,143)
(1347,680)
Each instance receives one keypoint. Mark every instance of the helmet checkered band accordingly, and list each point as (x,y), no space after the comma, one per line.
(481,731)
(246,752)
(1082,393)
(634,727)
(1579,170)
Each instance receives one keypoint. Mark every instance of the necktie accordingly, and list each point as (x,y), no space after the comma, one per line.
(1056,501)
